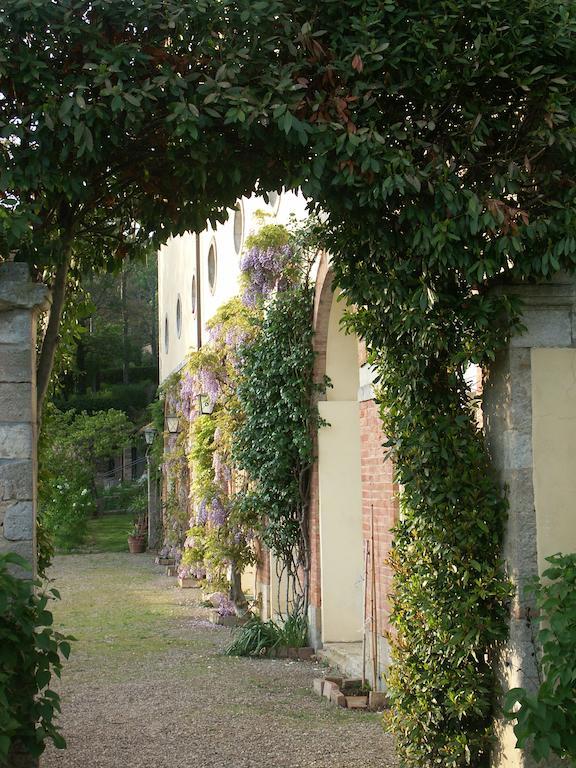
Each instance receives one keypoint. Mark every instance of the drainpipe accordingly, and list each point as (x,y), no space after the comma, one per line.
(198,295)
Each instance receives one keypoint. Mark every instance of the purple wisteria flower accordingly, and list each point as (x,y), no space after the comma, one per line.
(209,384)
(189,390)
(202,514)
(226,607)
(264,268)
(218,513)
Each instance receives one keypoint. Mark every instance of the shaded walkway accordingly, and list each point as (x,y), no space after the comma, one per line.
(145,685)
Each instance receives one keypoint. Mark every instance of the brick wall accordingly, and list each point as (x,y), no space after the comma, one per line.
(378,494)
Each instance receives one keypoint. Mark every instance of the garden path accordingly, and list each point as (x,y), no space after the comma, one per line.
(146,684)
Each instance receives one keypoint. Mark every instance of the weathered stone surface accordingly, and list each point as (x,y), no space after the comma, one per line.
(16,327)
(15,401)
(328,688)
(548,328)
(16,441)
(16,480)
(18,290)
(15,362)
(338,698)
(19,521)
(23,548)
(318,686)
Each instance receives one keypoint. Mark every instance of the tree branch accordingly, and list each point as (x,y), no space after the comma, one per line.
(46,359)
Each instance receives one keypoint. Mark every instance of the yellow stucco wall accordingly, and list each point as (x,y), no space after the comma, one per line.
(340,497)
(341,356)
(554,450)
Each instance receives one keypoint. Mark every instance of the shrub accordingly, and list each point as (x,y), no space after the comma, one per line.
(257,637)
(30,654)
(65,512)
(547,719)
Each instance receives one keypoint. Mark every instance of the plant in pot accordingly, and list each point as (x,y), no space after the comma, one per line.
(137,535)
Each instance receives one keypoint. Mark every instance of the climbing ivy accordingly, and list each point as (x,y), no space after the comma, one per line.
(274,442)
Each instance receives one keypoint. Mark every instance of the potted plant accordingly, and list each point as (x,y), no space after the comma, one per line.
(137,535)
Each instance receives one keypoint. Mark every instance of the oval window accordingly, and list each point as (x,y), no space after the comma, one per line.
(166,334)
(179,317)
(193,297)
(212,267)
(273,198)
(238,227)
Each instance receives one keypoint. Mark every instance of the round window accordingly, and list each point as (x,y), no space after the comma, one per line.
(273,198)
(238,227)
(212,267)
(193,297)
(166,334)
(179,317)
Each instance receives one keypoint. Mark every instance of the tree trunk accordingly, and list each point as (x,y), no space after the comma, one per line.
(52,335)
(124,310)
(236,593)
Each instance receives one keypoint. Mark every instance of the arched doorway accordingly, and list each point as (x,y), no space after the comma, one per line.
(340,488)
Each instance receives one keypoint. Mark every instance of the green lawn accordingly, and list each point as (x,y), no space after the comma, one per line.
(108,533)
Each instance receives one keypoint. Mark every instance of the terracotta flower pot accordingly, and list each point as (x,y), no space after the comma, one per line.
(136,544)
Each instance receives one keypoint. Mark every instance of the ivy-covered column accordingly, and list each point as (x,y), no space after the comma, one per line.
(548,317)
(20,300)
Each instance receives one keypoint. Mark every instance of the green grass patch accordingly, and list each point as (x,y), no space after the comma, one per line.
(108,533)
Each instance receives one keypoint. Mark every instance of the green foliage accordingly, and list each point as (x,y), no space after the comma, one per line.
(268,236)
(438,138)
(274,441)
(71,445)
(222,532)
(66,508)
(30,654)
(258,638)
(546,720)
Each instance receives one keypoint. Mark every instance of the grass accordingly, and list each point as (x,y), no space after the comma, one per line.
(108,533)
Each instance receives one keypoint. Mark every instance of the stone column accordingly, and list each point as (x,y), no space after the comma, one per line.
(549,317)
(154,509)
(20,301)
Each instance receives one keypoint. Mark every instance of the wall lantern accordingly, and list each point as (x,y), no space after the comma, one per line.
(205,405)
(172,423)
(149,434)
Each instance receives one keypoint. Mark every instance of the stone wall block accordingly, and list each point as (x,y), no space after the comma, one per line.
(550,329)
(26,549)
(15,363)
(16,327)
(16,480)
(518,449)
(18,521)
(16,402)
(16,441)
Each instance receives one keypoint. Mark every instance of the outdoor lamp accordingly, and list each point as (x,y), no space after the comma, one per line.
(172,423)
(149,434)
(205,405)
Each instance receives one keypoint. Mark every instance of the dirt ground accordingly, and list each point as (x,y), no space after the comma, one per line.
(147,685)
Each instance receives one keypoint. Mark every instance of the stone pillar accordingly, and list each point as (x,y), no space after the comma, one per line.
(154,508)
(20,301)
(549,317)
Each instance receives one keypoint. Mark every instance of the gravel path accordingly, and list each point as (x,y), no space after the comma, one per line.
(146,685)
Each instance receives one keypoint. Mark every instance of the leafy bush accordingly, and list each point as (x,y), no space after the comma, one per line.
(547,719)
(257,637)
(30,653)
(66,508)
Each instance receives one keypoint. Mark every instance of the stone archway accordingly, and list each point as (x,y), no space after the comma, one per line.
(336,531)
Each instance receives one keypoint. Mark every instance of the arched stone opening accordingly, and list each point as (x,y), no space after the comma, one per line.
(336,523)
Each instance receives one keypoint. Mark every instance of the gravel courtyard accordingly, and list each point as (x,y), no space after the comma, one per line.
(146,684)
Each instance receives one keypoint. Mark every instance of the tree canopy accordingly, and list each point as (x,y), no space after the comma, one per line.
(438,138)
